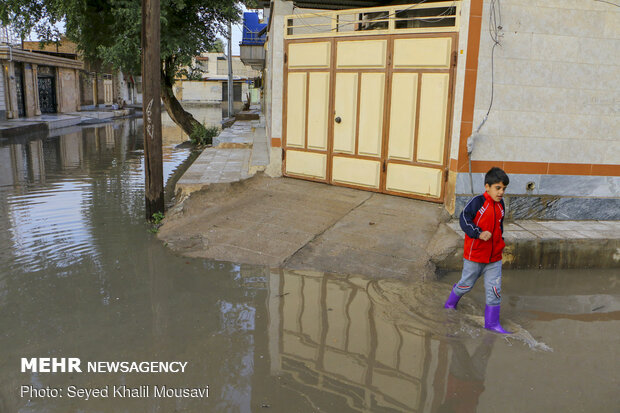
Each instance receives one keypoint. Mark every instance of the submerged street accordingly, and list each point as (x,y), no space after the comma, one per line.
(82,276)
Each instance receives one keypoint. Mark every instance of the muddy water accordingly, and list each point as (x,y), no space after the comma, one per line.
(80,276)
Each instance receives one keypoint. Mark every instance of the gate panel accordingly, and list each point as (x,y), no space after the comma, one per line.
(361,54)
(309,164)
(412,179)
(433,107)
(403,116)
(308,55)
(318,105)
(422,53)
(345,109)
(296,110)
(307,96)
(358,172)
(371,114)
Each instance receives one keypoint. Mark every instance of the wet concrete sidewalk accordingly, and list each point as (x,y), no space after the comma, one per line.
(238,153)
(49,122)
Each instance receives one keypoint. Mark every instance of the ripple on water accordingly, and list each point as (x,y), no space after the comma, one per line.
(420,305)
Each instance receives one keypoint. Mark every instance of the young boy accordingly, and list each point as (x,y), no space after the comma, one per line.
(482,220)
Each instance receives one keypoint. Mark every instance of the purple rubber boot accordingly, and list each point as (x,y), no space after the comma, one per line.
(491,319)
(452,300)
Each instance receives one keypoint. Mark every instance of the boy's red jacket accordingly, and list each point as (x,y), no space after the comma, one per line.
(483,214)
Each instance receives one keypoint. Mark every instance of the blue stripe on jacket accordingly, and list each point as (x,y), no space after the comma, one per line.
(469,214)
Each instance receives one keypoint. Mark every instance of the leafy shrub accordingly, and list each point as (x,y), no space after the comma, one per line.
(156,219)
(202,135)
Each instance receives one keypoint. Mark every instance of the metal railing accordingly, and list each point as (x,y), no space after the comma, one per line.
(421,17)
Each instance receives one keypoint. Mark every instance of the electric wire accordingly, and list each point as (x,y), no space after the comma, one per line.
(608,2)
(495,25)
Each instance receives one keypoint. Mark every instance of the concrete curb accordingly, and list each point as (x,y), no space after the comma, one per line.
(534,248)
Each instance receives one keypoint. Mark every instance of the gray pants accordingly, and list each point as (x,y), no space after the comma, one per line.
(492,280)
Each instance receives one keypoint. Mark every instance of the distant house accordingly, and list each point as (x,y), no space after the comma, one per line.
(386,97)
(210,79)
(99,85)
(33,83)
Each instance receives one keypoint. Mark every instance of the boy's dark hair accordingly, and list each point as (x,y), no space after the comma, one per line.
(496,175)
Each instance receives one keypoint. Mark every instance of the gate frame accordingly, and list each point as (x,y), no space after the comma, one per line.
(388,70)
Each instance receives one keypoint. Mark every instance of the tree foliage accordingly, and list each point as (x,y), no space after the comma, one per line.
(217,46)
(109,30)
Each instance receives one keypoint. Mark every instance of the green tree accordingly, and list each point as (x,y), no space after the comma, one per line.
(217,47)
(109,31)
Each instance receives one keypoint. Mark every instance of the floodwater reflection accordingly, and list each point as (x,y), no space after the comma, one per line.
(53,188)
(348,343)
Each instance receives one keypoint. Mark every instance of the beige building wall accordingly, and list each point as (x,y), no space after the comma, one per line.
(30,89)
(459,82)
(275,76)
(209,66)
(557,94)
(200,91)
(239,69)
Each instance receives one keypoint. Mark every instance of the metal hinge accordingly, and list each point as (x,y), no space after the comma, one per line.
(285,58)
(384,166)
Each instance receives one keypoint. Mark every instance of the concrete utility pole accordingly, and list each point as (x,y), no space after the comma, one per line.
(230,72)
(151,109)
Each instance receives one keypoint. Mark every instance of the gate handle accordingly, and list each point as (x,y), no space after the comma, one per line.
(338,120)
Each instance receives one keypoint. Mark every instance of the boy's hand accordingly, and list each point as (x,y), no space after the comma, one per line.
(485,235)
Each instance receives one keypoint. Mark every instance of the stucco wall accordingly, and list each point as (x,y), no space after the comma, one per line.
(556,90)
(459,83)
(200,91)
(555,107)
(30,88)
(276,64)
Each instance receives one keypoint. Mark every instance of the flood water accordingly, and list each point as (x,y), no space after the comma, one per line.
(81,276)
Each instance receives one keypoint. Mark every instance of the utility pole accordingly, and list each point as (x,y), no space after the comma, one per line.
(230,72)
(151,109)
